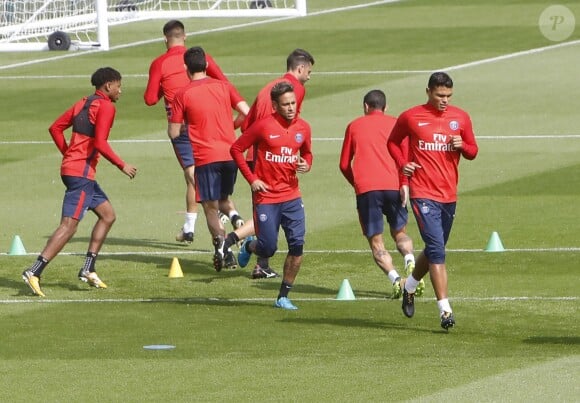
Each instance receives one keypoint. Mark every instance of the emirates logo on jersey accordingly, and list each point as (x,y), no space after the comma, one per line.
(454,125)
(299,137)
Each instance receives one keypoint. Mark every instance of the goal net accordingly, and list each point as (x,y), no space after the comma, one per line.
(83,24)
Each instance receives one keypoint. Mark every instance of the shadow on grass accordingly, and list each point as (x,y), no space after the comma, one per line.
(567,340)
(138,242)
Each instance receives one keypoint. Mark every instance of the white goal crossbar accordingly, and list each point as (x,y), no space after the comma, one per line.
(27,25)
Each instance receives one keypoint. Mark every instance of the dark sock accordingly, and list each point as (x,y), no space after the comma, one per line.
(284,289)
(90,262)
(231,239)
(263,262)
(38,266)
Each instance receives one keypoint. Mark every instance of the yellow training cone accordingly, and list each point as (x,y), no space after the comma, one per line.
(175,270)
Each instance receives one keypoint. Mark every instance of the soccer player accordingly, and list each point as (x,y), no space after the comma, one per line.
(206,105)
(167,74)
(298,69)
(439,134)
(380,189)
(282,144)
(91,119)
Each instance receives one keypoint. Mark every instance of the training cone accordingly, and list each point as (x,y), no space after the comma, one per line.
(494,244)
(17,248)
(345,292)
(175,270)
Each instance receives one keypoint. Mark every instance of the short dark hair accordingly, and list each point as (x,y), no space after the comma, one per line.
(280,89)
(376,99)
(194,59)
(439,79)
(298,57)
(173,28)
(104,75)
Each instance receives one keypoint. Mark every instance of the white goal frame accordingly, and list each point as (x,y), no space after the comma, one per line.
(35,33)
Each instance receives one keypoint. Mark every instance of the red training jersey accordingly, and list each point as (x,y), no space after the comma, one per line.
(365,161)
(429,131)
(206,108)
(262,106)
(167,74)
(81,154)
(278,145)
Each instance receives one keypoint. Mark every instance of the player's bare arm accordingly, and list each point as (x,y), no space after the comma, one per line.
(173,130)
(130,170)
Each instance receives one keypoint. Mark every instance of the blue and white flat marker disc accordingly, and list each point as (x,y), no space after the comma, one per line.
(159,347)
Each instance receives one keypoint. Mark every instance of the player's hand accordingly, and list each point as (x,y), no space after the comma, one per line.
(130,170)
(404,192)
(456,142)
(259,186)
(302,166)
(409,168)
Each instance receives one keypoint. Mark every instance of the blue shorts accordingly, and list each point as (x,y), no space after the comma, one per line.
(81,194)
(268,218)
(215,181)
(183,149)
(373,205)
(435,221)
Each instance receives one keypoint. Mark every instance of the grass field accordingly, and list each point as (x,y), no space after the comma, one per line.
(518,334)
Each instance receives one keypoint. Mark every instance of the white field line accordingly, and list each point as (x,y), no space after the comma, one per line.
(324,251)
(325,139)
(222,300)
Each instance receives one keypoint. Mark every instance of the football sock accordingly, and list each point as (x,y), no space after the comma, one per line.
(444,306)
(90,262)
(411,284)
(409,257)
(38,266)
(393,275)
(284,289)
(231,239)
(263,262)
(189,225)
(233,213)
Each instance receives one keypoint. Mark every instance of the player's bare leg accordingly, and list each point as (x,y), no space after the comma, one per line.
(384,260)
(187,232)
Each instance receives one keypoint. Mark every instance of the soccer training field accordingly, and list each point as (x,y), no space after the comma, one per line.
(517,335)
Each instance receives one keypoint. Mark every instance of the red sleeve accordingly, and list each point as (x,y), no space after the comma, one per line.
(235,97)
(470,148)
(346,155)
(153,91)
(306,148)
(245,141)
(395,143)
(214,71)
(57,129)
(103,123)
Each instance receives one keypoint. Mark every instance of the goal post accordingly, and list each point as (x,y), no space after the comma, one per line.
(27,25)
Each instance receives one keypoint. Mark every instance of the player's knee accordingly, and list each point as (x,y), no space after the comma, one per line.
(266,250)
(435,255)
(296,250)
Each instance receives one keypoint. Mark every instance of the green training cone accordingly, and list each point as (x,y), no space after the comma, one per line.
(494,244)
(345,292)
(17,248)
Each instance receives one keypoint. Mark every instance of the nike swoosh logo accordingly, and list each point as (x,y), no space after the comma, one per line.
(423,124)
(274,136)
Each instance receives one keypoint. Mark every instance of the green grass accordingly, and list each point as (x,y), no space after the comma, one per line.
(517,332)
